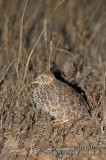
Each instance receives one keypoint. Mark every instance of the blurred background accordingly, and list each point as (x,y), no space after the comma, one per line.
(73,30)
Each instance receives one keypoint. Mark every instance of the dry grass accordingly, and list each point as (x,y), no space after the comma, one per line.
(67,37)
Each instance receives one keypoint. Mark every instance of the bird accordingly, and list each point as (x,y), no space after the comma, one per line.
(58,99)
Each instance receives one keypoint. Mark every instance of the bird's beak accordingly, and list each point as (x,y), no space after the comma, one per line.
(34,82)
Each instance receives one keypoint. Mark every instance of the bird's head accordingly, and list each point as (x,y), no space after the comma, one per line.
(44,78)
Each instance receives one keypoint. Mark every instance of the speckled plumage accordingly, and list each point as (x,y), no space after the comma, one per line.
(57,98)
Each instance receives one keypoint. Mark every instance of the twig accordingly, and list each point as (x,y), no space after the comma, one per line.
(55,9)
(104,98)
(31,53)
(39,38)
(7,70)
(58,151)
(21,37)
(50,55)
(45,35)
(63,50)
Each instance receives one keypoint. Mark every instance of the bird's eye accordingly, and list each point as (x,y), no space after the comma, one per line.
(42,77)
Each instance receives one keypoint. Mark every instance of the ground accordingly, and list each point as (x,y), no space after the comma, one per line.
(69,38)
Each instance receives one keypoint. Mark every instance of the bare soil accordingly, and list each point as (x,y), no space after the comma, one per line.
(72,44)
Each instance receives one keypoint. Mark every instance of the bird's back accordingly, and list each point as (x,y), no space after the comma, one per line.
(60,101)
